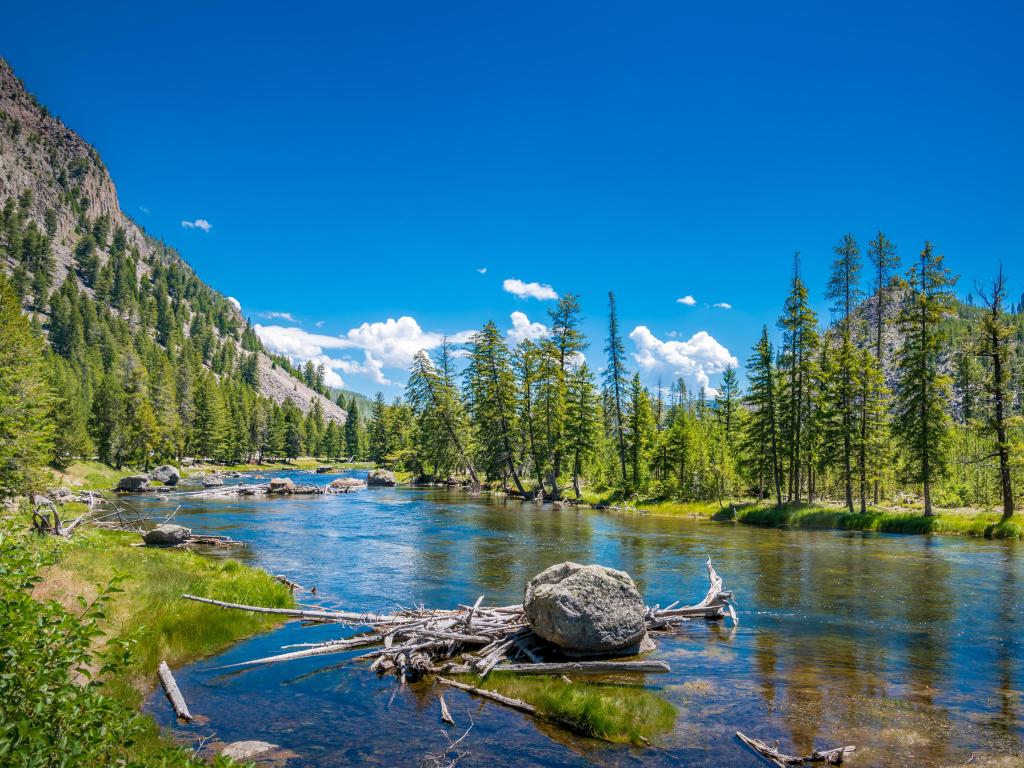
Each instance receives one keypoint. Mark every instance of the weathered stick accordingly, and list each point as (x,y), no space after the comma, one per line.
(586,668)
(173,694)
(771,754)
(359,618)
(320,650)
(446,716)
(522,706)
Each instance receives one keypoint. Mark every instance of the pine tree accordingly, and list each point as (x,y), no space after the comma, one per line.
(762,433)
(922,391)
(379,447)
(844,292)
(995,333)
(799,325)
(491,399)
(26,432)
(615,383)
(640,434)
(562,350)
(885,262)
(352,431)
(727,403)
(581,421)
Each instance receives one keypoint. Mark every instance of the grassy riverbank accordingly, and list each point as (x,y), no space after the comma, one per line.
(149,614)
(626,714)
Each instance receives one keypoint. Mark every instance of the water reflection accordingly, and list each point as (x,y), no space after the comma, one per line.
(904,646)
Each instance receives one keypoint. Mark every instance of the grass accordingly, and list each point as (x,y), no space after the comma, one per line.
(817,516)
(626,714)
(150,613)
(91,476)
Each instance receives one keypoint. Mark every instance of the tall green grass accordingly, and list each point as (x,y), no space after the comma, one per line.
(811,516)
(628,714)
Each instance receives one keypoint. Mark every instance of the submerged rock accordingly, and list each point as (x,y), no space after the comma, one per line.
(167,535)
(282,485)
(246,750)
(380,477)
(166,474)
(586,609)
(132,483)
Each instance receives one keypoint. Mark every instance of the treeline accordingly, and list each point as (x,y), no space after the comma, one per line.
(905,394)
(144,362)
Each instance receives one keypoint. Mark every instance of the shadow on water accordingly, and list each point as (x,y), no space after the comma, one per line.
(906,646)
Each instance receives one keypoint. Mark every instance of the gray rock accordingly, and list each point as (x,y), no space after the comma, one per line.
(212,481)
(380,477)
(166,535)
(132,483)
(166,474)
(282,485)
(586,609)
(60,495)
(246,750)
(347,483)
(324,470)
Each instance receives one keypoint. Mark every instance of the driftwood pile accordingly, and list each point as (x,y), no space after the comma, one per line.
(413,642)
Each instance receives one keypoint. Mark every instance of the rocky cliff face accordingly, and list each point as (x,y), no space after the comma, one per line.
(59,182)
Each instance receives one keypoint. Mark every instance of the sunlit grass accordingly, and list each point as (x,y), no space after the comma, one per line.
(629,714)
(812,516)
(150,612)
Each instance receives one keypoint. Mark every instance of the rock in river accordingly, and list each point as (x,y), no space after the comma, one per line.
(380,477)
(166,474)
(346,484)
(281,485)
(246,750)
(132,483)
(585,609)
(166,535)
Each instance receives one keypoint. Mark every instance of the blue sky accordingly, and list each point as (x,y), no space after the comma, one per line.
(363,161)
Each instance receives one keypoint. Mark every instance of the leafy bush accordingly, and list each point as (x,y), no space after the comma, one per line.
(53,710)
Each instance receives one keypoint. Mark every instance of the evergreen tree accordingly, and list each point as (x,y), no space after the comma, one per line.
(640,434)
(885,262)
(762,433)
(379,446)
(615,383)
(352,441)
(491,400)
(922,390)
(844,292)
(995,334)
(581,422)
(26,433)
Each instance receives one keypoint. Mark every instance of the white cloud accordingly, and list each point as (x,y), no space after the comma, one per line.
(279,316)
(687,300)
(482,270)
(236,302)
(390,344)
(144,209)
(523,329)
(539,291)
(695,359)
(202,224)
(319,323)
(722,305)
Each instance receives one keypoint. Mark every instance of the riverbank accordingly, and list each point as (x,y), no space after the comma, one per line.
(147,617)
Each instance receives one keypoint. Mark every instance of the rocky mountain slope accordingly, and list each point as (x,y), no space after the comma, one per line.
(57,181)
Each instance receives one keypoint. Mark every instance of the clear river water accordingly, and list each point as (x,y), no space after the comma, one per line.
(908,647)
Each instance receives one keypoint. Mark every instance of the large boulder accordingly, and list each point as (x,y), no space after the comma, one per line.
(585,609)
(166,474)
(380,477)
(166,535)
(282,485)
(132,483)
(346,484)
(212,481)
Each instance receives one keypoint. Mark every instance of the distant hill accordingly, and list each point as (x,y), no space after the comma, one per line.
(69,248)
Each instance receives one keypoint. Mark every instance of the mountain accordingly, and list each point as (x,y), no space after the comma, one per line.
(64,229)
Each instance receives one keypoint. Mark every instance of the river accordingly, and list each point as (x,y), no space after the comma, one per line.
(906,646)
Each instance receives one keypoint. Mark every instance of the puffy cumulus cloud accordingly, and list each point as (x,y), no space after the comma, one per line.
(522,329)
(482,270)
(539,291)
(235,302)
(687,300)
(697,358)
(390,344)
(202,224)
(722,305)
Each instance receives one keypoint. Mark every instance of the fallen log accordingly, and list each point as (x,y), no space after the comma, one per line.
(772,755)
(446,716)
(342,616)
(172,691)
(522,706)
(586,668)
